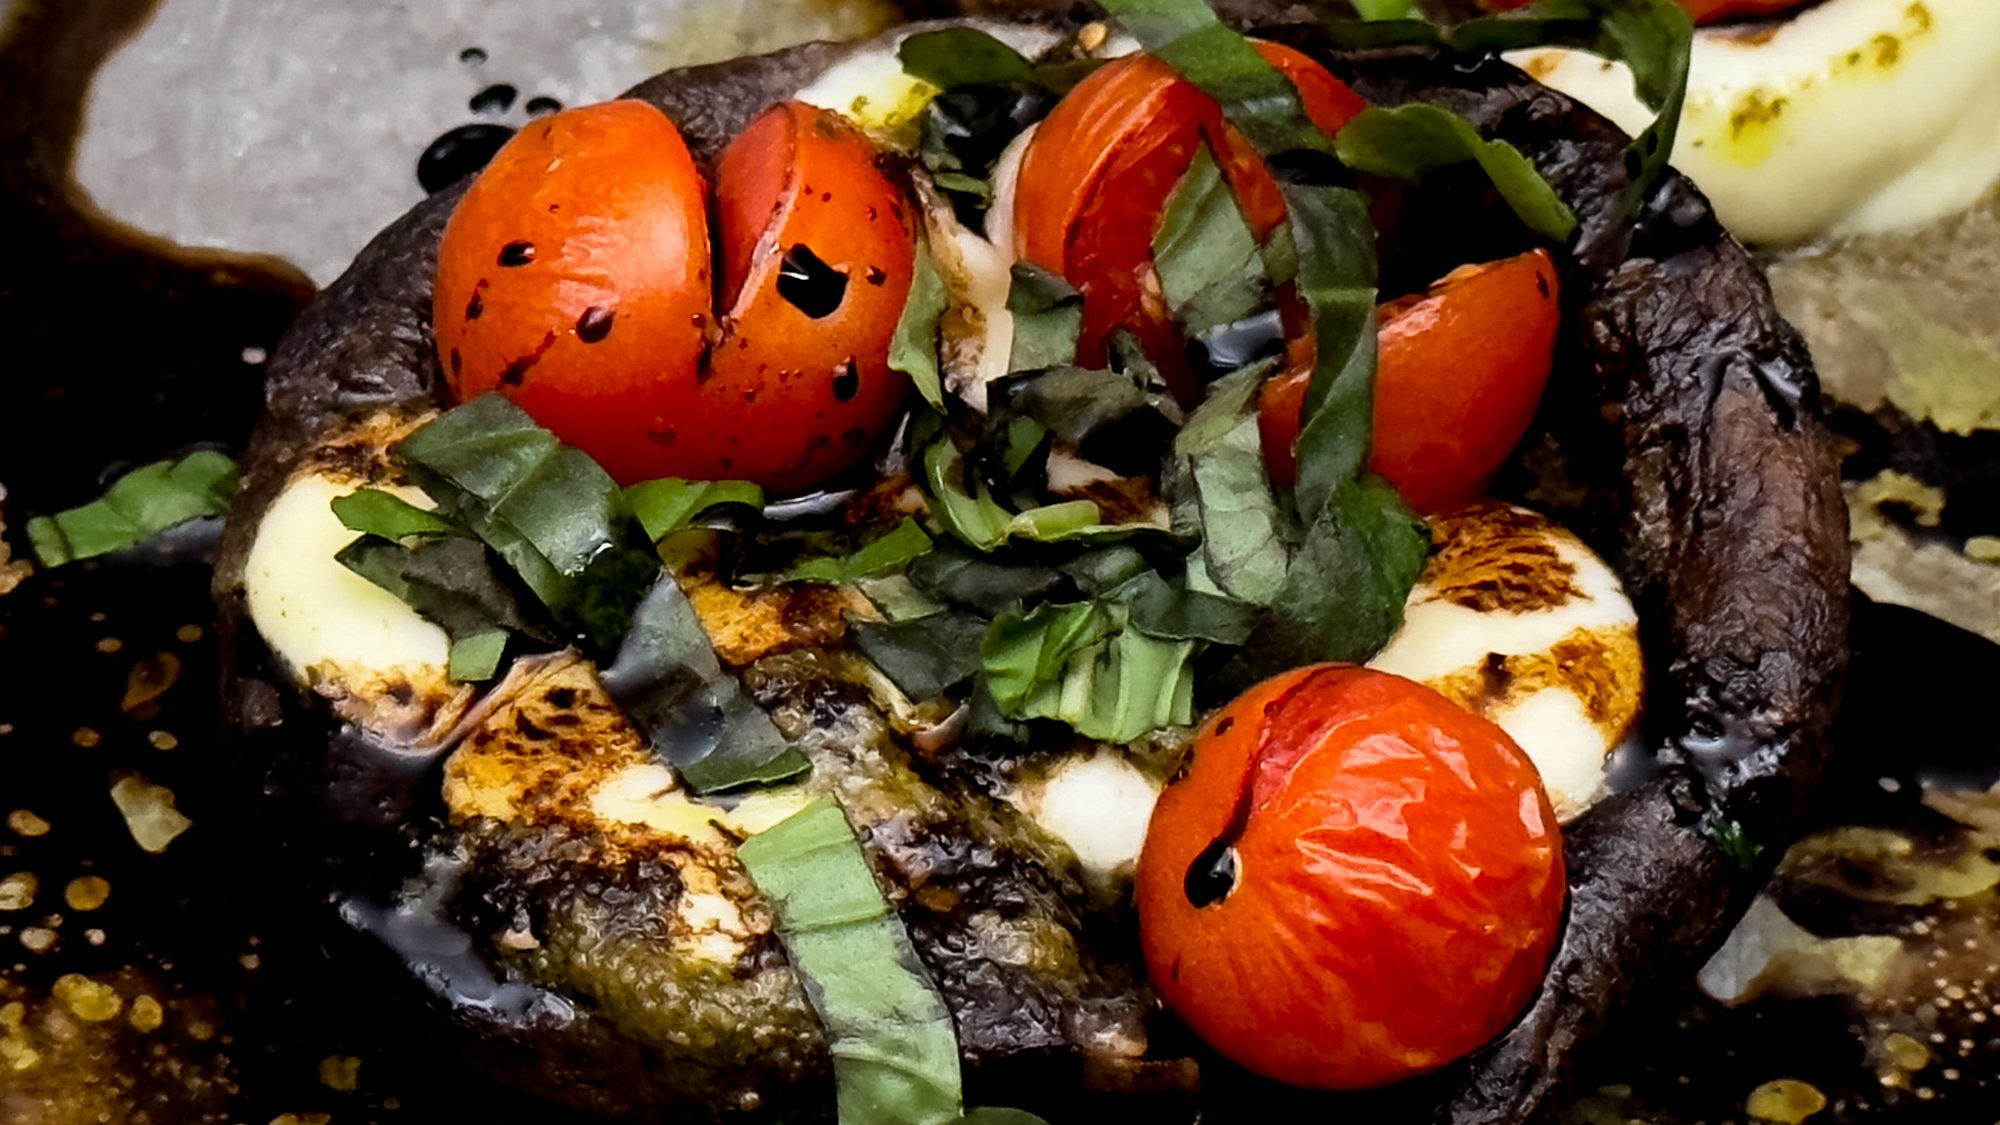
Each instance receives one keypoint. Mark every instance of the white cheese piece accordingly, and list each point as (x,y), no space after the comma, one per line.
(1098,804)
(1848,117)
(320,618)
(1515,619)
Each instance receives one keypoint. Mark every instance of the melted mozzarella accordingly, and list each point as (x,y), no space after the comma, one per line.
(1098,804)
(1852,116)
(1516,619)
(321,619)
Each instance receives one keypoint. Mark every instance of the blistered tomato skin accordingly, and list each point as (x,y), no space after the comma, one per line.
(1355,883)
(574,278)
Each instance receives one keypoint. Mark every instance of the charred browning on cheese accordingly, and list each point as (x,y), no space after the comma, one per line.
(360,452)
(1598,666)
(1492,556)
(748,625)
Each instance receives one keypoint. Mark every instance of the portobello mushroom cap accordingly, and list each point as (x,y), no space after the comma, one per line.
(1681,436)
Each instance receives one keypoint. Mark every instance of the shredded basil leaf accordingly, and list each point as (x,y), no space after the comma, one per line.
(669,504)
(1405,142)
(1344,595)
(373,511)
(1025,655)
(983,584)
(1170,613)
(1221,491)
(1048,317)
(898,598)
(453,583)
(1387,9)
(914,349)
(1081,664)
(547,509)
(1208,260)
(891,552)
(895,1052)
(142,503)
(476,657)
(695,715)
(962,56)
(924,657)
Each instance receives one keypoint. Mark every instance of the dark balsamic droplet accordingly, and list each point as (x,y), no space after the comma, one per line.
(517,254)
(813,287)
(876,275)
(847,382)
(541,104)
(594,324)
(477,305)
(494,100)
(457,362)
(459,153)
(472,56)
(1212,875)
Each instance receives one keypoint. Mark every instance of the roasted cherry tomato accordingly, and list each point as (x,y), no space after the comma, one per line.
(1461,374)
(1703,11)
(574,278)
(1100,169)
(1356,882)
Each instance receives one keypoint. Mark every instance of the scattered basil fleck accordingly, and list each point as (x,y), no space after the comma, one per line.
(895,1051)
(669,504)
(148,500)
(1731,839)
(695,715)
(1387,9)
(962,56)
(373,511)
(1405,142)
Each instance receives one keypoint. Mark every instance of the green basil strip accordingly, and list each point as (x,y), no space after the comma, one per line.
(371,511)
(1654,38)
(898,598)
(1025,655)
(1335,242)
(927,656)
(477,657)
(1210,269)
(1221,491)
(1344,595)
(1161,610)
(1137,684)
(547,509)
(891,552)
(1387,9)
(669,504)
(962,56)
(914,349)
(1259,100)
(1405,142)
(981,583)
(453,583)
(695,715)
(142,503)
(1048,317)
(978,521)
(895,1052)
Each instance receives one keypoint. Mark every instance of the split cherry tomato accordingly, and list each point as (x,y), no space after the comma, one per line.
(1461,374)
(1703,11)
(574,278)
(1101,167)
(1356,882)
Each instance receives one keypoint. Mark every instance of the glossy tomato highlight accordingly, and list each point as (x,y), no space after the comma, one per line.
(1461,374)
(574,278)
(1356,882)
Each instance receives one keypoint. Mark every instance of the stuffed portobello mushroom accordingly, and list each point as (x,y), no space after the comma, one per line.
(1147,565)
